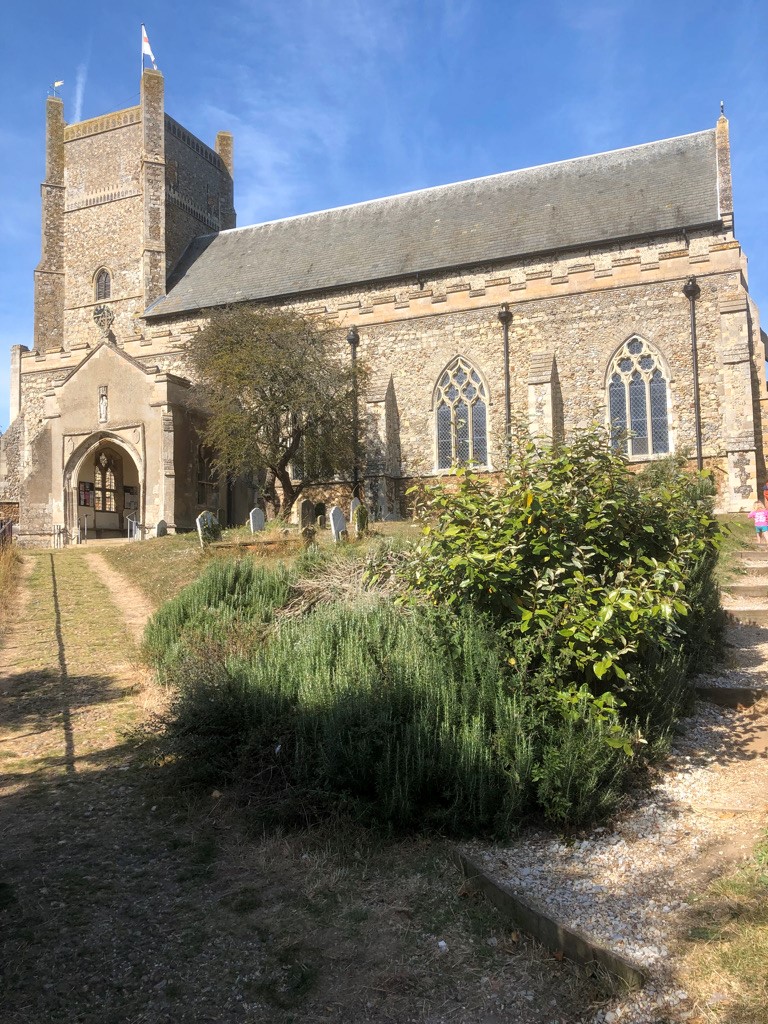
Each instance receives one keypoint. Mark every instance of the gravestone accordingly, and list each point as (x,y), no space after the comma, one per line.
(320,522)
(208,528)
(338,524)
(161,530)
(256,519)
(360,521)
(306,513)
(354,504)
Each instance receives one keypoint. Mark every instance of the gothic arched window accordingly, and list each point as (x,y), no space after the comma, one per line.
(638,402)
(103,286)
(461,416)
(105,488)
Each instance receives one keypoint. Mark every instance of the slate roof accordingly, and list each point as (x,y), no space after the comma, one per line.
(649,189)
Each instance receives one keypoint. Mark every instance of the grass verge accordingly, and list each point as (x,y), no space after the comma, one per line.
(723,961)
(10,565)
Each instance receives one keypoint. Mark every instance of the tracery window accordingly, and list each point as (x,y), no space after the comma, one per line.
(207,478)
(461,416)
(103,285)
(638,402)
(105,489)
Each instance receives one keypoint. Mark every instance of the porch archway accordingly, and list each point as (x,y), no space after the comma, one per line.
(103,485)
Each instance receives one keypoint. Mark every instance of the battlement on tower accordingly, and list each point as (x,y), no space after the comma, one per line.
(124,195)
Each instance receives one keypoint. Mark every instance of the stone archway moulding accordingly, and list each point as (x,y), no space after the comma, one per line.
(77,448)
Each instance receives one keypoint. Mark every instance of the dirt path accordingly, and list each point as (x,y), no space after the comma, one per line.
(120,905)
(132,603)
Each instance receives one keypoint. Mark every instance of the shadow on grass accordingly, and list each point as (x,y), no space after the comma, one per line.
(120,902)
(42,704)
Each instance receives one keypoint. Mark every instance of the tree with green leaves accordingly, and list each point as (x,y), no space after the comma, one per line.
(278,391)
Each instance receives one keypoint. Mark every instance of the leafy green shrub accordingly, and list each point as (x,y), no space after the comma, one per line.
(577,552)
(551,631)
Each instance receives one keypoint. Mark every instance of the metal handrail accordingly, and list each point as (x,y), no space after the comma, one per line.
(133,526)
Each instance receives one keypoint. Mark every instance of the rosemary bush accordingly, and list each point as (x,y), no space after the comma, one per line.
(229,596)
(408,719)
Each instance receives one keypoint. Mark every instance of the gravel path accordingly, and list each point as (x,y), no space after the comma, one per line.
(629,887)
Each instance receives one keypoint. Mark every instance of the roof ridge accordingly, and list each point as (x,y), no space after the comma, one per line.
(452,184)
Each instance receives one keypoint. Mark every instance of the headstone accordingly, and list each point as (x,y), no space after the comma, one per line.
(354,504)
(208,528)
(320,522)
(161,530)
(256,519)
(338,524)
(306,513)
(360,521)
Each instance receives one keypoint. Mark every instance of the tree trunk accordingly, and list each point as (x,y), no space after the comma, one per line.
(290,492)
(271,499)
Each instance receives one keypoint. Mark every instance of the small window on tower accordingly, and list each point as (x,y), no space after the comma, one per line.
(103,285)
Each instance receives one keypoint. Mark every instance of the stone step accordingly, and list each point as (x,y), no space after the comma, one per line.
(757,554)
(745,592)
(749,616)
(757,570)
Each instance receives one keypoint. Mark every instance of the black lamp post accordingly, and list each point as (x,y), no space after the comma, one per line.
(353,337)
(505,319)
(692,291)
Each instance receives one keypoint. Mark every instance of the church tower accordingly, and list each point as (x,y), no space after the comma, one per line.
(123,196)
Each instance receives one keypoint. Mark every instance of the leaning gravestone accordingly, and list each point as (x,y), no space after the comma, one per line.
(256,519)
(360,521)
(161,530)
(354,504)
(208,528)
(306,513)
(338,525)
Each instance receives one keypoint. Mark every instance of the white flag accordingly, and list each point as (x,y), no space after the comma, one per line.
(146,49)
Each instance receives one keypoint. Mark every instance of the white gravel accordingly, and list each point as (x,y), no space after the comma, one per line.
(627,887)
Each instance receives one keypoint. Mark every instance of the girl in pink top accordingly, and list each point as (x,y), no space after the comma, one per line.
(760,514)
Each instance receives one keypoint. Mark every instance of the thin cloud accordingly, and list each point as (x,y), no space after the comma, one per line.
(82,78)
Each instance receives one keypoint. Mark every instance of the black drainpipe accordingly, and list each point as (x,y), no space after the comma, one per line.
(692,291)
(353,337)
(505,319)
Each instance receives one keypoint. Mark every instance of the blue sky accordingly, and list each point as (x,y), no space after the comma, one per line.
(338,101)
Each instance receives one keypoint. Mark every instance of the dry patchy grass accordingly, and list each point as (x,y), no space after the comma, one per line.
(724,958)
(124,902)
(163,566)
(10,564)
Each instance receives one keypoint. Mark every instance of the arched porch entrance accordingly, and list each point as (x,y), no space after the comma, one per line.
(103,486)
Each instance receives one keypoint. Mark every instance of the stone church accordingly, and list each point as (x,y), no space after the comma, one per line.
(607,288)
